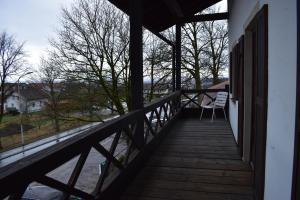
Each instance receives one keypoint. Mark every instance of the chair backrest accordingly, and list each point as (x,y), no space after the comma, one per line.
(221,99)
(206,100)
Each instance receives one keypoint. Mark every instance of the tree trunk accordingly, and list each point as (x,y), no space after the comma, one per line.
(2,103)
(152,83)
(215,79)
(54,108)
(198,85)
(197,77)
(56,124)
(56,121)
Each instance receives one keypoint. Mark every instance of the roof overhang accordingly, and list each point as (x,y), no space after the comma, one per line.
(159,15)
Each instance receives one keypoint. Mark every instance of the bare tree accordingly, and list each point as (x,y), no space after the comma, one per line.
(93,44)
(192,49)
(157,65)
(204,50)
(84,97)
(216,51)
(12,58)
(50,75)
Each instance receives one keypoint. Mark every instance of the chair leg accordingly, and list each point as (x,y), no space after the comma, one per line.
(201,114)
(213,114)
(225,114)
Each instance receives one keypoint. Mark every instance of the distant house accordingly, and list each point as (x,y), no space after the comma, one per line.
(206,100)
(29,99)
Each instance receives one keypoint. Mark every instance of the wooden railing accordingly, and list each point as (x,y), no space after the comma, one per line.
(120,163)
(193,98)
(116,143)
(191,101)
(159,113)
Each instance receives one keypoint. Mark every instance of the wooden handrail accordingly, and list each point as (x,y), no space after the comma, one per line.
(161,101)
(203,91)
(15,177)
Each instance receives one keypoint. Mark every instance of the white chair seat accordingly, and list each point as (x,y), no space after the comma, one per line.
(211,106)
(208,106)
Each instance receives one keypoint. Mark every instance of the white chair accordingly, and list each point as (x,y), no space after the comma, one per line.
(218,103)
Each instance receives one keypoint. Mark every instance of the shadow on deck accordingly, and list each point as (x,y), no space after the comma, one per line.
(196,160)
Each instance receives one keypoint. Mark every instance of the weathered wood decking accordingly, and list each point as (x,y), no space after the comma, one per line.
(198,160)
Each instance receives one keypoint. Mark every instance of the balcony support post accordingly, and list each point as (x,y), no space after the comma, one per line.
(173,68)
(136,64)
(178,56)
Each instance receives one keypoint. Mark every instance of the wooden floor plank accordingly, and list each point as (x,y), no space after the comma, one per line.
(196,172)
(223,180)
(190,186)
(144,193)
(201,155)
(197,160)
(169,161)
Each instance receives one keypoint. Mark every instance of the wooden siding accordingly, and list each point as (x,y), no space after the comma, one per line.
(197,160)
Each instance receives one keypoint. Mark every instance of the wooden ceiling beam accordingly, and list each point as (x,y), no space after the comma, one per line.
(206,17)
(163,38)
(174,8)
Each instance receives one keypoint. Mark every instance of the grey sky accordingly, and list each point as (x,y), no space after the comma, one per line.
(35,21)
(32,21)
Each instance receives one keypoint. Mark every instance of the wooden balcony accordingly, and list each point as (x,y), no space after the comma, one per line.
(179,157)
(197,160)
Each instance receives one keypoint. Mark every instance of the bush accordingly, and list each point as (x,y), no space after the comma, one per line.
(12,111)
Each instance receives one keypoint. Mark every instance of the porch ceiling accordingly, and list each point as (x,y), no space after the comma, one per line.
(162,14)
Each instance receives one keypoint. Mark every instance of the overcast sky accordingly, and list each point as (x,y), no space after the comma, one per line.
(32,21)
(35,21)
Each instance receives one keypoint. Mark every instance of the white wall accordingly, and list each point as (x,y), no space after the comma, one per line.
(240,13)
(233,117)
(281,88)
(36,105)
(21,104)
(13,102)
(282,98)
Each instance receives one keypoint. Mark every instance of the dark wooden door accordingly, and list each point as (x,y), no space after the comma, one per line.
(240,50)
(259,29)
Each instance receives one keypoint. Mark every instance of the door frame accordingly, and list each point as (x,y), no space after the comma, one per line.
(258,142)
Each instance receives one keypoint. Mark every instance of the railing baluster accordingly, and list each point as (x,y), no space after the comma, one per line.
(192,99)
(45,180)
(108,155)
(76,171)
(166,112)
(129,133)
(108,161)
(158,118)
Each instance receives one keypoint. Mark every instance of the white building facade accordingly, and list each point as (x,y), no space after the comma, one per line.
(24,103)
(248,20)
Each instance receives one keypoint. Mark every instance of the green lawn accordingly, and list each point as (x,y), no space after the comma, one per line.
(42,127)
(7,118)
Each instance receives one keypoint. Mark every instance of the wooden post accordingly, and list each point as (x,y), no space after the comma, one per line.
(178,56)
(173,68)
(136,64)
